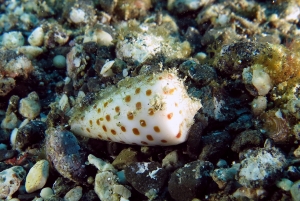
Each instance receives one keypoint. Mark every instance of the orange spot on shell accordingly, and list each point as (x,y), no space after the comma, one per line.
(143,123)
(88,130)
(98,122)
(94,107)
(171,91)
(164,141)
(178,135)
(127,98)
(109,138)
(100,136)
(156,129)
(138,105)
(137,90)
(82,118)
(180,111)
(107,117)
(151,111)
(98,110)
(170,115)
(135,131)
(149,137)
(113,132)
(91,122)
(148,92)
(160,78)
(176,104)
(143,142)
(123,128)
(117,109)
(130,115)
(105,104)
(104,128)
(101,119)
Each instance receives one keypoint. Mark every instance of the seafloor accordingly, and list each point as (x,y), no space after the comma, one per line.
(174,100)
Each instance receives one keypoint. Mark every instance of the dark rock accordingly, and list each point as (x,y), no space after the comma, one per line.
(202,74)
(126,157)
(244,122)
(6,154)
(63,151)
(90,196)
(61,186)
(4,136)
(214,145)
(148,178)
(194,140)
(190,181)
(31,133)
(247,139)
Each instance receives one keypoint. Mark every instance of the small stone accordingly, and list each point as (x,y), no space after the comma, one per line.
(46,192)
(214,145)
(297,152)
(30,106)
(295,191)
(59,61)
(148,178)
(6,154)
(190,181)
(247,139)
(125,157)
(10,180)
(36,38)
(261,167)
(285,184)
(74,194)
(33,132)
(293,173)
(13,39)
(171,161)
(223,176)
(37,176)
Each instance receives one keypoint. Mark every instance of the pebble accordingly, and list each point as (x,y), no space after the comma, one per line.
(295,191)
(10,180)
(247,139)
(33,132)
(214,145)
(74,194)
(37,176)
(190,181)
(36,38)
(30,106)
(223,175)
(46,192)
(63,151)
(59,61)
(285,184)
(261,167)
(148,178)
(125,157)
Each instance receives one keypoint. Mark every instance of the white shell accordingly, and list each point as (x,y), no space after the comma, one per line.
(143,110)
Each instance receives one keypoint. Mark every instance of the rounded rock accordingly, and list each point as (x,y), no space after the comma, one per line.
(295,191)
(59,61)
(46,192)
(74,194)
(190,181)
(30,106)
(37,176)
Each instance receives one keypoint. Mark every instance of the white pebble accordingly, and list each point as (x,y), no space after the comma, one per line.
(37,176)
(36,38)
(74,194)
(10,181)
(295,191)
(13,39)
(46,192)
(30,106)
(59,61)
(77,15)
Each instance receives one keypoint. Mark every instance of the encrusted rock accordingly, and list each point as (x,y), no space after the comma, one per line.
(10,180)
(148,178)
(33,132)
(64,152)
(125,157)
(247,139)
(30,106)
(261,167)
